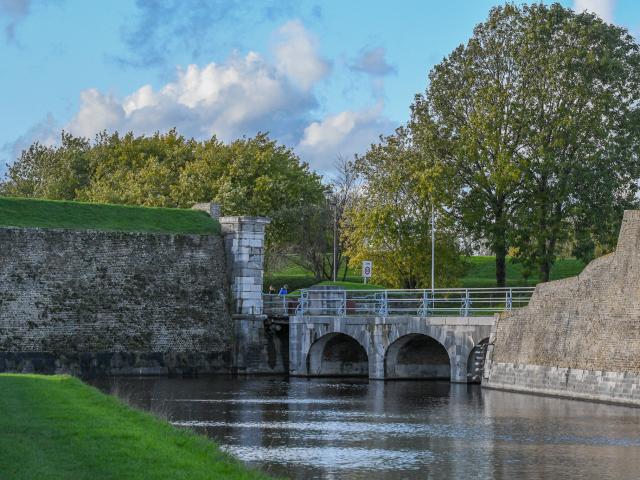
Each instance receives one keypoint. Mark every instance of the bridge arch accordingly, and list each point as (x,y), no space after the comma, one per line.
(337,355)
(475,362)
(417,355)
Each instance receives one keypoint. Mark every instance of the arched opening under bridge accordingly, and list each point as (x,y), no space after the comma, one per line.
(475,362)
(337,355)
(417,356)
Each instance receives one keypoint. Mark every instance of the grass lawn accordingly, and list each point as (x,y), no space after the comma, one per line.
(23,212)
(57,427)
(353,285)
(481,273)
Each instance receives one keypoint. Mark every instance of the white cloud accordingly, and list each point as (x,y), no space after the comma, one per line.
(241,96)
(237,97)
(344,134)
(97,112)
(296,55)
(602,8)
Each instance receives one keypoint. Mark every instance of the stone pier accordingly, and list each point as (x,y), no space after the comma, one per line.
(259,346)
(244,247)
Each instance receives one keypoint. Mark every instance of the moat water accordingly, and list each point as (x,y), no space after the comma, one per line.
(356,429)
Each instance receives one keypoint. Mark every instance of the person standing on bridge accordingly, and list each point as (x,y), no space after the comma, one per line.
(284,290)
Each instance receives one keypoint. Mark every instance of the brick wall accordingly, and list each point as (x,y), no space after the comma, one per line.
(579,336)
(113,302)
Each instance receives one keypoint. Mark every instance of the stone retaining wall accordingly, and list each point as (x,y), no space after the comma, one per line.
(578,337)
(88,302)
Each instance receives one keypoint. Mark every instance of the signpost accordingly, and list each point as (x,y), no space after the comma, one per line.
(367,268)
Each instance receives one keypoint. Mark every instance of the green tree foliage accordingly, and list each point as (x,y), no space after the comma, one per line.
(250,176)
(50,172)
(535,120)
(138,170)
(310,238)
(389,222)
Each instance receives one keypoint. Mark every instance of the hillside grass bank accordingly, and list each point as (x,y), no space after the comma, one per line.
(35,213)
(481,273)
(58,427)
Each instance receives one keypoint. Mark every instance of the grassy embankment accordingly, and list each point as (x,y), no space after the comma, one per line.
(58,427)
(481,273)
(23,212)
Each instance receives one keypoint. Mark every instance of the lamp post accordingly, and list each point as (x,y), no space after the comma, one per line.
(333,205)
(433,250)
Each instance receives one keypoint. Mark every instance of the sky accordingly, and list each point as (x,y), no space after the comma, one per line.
(326,78)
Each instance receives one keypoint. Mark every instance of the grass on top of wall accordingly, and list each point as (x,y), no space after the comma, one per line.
(35,213)
(58,427)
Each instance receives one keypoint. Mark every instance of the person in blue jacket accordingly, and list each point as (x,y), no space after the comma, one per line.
(283,290)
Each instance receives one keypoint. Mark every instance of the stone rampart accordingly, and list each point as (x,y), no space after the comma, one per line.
(95,303)
(578,337)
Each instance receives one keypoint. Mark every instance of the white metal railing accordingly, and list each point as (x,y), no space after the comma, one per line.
(462,302)
(283,305)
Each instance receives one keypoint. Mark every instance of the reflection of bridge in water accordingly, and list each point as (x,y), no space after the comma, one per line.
(392,334)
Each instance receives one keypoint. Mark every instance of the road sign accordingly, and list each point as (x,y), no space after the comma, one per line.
(367,268)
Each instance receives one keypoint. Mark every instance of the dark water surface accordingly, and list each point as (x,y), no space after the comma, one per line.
(355,429)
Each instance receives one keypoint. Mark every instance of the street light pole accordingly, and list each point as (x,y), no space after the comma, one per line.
(335,239)
(433,249)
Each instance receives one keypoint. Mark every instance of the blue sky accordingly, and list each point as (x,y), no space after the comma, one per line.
(324,77)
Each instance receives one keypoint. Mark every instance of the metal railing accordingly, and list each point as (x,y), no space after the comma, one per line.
(281,305)
(461,302)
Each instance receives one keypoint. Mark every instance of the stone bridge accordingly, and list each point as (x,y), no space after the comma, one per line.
(393,347)
(379,334)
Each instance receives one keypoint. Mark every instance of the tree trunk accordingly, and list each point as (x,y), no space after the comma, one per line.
(501,263)
(500,245)
(547,257)
(346,269)
(545,270)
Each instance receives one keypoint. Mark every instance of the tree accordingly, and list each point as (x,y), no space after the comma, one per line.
(310,235)
(389,222)
(583,111)
(535,117)
(466,121)
(314,227)
(50,172)
(251,176)
(343,192)
(137,170)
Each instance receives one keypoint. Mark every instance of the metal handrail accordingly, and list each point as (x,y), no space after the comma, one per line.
(418,302)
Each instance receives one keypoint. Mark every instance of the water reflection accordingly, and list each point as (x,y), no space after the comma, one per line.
(354,429)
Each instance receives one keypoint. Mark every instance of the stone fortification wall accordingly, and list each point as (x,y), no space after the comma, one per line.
(578,337)
(95,303)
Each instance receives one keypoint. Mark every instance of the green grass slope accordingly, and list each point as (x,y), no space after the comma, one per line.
(481,273)
(58,427)
(23,212)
